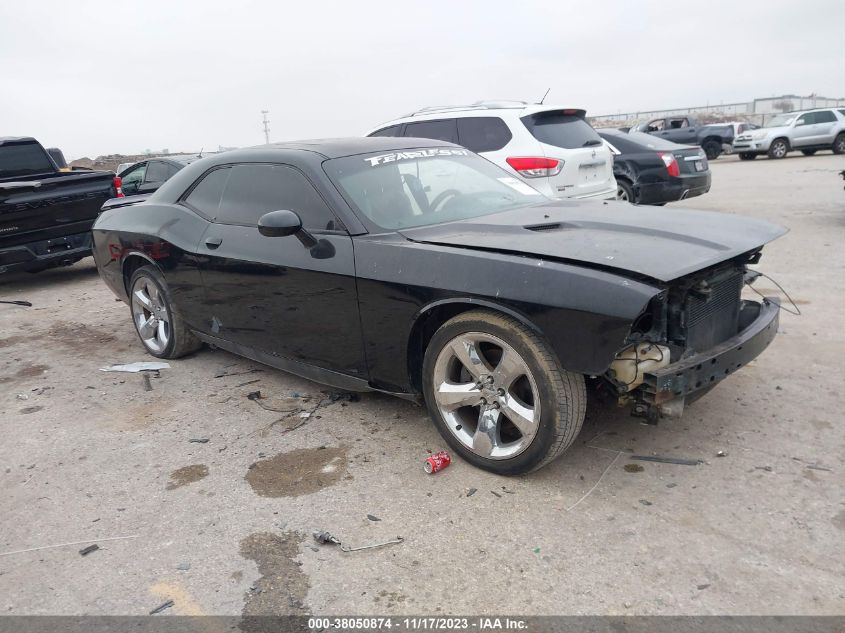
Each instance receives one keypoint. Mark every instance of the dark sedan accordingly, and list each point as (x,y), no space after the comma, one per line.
(146,176)
(418,268)
(650,170)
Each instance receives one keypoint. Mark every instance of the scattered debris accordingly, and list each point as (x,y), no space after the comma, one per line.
(373,517)
(248,382)
(238,373)
(510,492)
(162,607)
(671,485)
(38,549)
(496,493)
(148,386)
(134,368)
(27,410)
(595,485)
(183,566)
(87,550)
(668,460)
(198,440)
(305,415)
(25,304)
(471,491)
(326,538)
(768,469)
(646,502)
(815,467)
(633,468)
(721,454)
(23,396)
(536,550)
(437,462)
(703,587)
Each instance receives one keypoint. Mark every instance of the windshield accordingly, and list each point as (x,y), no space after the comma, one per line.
(408,188)
(780,120)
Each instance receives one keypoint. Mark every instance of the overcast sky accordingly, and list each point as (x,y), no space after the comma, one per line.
(107,77)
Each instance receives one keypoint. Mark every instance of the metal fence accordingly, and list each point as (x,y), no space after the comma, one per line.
(758,111)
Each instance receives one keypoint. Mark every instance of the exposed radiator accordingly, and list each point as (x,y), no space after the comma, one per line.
(713,319)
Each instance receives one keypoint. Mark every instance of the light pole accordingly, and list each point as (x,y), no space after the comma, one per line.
(266,123)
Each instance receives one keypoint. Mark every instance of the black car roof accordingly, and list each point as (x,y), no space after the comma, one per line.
(16,139)
(339,147)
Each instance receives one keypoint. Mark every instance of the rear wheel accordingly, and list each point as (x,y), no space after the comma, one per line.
(498,395)
(624,191)
(712,149)
(778,148)
(839,144)
(747,156)
(160,328)
(808,152)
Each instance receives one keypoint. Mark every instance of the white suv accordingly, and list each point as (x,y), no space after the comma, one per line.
(553,149)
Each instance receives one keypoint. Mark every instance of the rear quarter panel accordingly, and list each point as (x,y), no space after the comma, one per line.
(166,236)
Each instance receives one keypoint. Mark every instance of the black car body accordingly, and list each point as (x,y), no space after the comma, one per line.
(146,176)
(650,170)
(354,288)
(45,214)
(713,139)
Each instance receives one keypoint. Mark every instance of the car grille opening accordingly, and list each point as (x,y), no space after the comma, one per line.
(715,318)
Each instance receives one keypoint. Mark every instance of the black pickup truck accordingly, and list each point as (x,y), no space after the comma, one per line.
(46,214)
(687,130)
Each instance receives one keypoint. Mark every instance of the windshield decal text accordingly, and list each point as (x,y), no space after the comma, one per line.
(421,153)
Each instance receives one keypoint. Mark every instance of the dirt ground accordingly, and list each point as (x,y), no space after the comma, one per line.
(197,494)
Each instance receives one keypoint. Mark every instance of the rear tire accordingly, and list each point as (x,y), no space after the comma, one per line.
(159,326)
(625,191)
(498,395)
(808,152)
(779,148)
(747,156)
(712,149)
(839,144)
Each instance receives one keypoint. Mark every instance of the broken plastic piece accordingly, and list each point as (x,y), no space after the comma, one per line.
(667,460)
(87,550)
(133,368)
(162,607)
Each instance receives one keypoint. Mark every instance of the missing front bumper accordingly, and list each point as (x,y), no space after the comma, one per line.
(665,390)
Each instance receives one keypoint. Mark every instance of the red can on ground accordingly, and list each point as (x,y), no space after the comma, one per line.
(436,462)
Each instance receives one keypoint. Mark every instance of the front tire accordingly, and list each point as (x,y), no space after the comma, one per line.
(778,148)
(160,328)
(498,395)
(747,156)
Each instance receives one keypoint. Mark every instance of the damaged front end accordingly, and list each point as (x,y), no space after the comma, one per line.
(692,335)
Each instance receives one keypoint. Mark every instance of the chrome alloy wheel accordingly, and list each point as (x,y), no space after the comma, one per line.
(150,315)
(487,395)
(621,194)
(779,149)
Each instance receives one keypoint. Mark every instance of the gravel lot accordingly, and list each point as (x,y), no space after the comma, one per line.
(223,527)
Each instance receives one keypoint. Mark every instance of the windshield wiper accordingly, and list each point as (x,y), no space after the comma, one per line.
(591,142)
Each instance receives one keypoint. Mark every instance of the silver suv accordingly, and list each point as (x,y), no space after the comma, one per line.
(807,131)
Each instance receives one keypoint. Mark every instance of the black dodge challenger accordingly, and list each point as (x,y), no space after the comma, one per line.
(416,267)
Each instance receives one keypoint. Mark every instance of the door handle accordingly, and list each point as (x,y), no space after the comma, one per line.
(213,242)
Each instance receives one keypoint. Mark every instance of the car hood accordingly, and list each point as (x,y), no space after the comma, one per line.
(662,244)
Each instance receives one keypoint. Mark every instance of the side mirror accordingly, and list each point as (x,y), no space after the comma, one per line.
(279,224)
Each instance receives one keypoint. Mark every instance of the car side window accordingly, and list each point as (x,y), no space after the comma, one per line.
(655,126)
(255,189)
(156,171)
(806,119)
(825,116)
(133,178)
(393,130)
(483,134)
(206,194)
(440,130)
